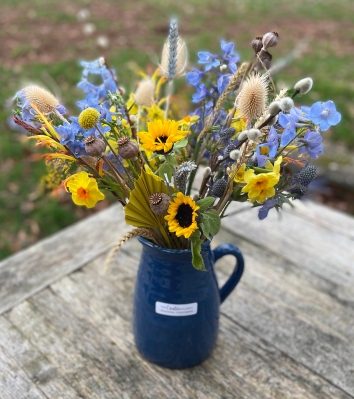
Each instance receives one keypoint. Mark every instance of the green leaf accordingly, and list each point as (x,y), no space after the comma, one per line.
(182,143)
(205,203)
(211,222)
(171,160)
(196,246)
(166,168)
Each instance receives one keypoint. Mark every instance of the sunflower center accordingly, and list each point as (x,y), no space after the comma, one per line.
(184,215)
(162,139)
(83,193)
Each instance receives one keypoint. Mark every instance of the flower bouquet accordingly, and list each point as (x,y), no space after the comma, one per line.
(249,141)
(240,129)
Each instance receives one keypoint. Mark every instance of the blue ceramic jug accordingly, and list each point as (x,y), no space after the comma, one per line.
(176,307)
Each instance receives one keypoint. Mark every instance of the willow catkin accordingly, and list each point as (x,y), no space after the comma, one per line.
(131,234)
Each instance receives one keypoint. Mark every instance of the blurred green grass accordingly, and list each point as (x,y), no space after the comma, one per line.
(41,42)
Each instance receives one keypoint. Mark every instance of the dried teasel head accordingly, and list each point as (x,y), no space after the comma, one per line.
(253,96)
(127,149)
(94,146)
(144,95)
(41,98)
(159,203)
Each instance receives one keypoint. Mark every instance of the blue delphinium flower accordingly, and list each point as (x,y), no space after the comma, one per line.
(222,82)
(194,77)
(324,114)
(210,60)
(229,57)
(77,148)
(67,132)
(90,101)
(289,124)
(312,144)
(200,94)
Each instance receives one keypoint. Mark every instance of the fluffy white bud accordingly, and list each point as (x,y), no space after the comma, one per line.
(243,135)
(235,155)
(286,104)
(274,108)
(272,121)
(207,172)
(254,134)
(303,86)
(133,118)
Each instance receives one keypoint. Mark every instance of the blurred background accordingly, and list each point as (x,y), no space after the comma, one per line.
(41,42)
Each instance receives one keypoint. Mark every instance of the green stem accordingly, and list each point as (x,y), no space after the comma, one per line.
(193,173)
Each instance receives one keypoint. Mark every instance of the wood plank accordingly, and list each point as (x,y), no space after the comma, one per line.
(14,383)
(33,269)
(269,371)
(326,253)
(44,374)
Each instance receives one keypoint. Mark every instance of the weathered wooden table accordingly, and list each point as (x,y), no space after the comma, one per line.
(287,331)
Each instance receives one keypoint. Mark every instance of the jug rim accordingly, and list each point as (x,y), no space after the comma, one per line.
(150,244)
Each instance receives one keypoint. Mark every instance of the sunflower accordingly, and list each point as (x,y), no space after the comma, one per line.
(181,216)
(161,135)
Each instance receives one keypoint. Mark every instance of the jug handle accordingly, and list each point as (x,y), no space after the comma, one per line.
(229,249)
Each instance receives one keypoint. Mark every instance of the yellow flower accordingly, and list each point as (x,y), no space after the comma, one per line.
(88,118)
(182,216)
(131,106)
(84,190)
(240,124)
(161,135)
(155,113)
(260,187)
(240,174)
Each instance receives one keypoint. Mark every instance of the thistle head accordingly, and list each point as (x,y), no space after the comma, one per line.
(41,98)
(253,96)
(144,95)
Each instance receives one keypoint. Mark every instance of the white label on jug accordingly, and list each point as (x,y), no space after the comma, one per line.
(170,309)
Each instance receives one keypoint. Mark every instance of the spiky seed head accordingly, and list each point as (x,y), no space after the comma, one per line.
(127,149)
(303,86)
(227,133)
(286,104)
(219,187)
(270,39)
(94,146)
(235,155)
(88,118)
(159,203)
(41,98)
(254,134)
(274,108)
(228,149)
(257,44)
(144,95)
(299,190)
(307,174)
(253,97)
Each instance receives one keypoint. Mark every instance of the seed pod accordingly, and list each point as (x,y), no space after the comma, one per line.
(257,44)
(254,134)
(94,146)
(127,149)
(219,188)
(159,203)
(207,172)
(303,86)
(266,58)
(270,39)
(299,190)
(274,108)
(286,104)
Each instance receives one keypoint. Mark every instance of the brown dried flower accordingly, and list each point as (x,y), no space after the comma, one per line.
(127,149)
(253,96)
(94,146)
(159,203)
